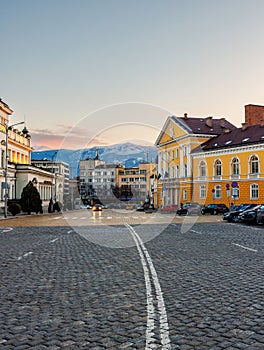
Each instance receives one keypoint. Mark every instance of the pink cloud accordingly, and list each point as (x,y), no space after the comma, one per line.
(65,137)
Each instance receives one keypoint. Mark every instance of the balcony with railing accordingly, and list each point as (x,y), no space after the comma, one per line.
(171,181)
(19,136)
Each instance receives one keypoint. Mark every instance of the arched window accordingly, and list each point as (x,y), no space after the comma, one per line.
(185,170)
(218,192)
(218,167)
(235,166)
(202,169)
(254,165)
(254,193)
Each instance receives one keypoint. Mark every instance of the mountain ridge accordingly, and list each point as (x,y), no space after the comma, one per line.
(127,154)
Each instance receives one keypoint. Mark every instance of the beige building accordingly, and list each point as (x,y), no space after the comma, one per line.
(60,188)
(135,182)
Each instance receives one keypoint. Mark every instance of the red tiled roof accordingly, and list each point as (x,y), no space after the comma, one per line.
(198,125)
(236,137)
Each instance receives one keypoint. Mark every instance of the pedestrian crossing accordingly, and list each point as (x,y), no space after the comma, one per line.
(101,218)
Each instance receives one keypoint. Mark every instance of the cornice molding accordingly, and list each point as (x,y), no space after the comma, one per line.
(241,149)
(185,137)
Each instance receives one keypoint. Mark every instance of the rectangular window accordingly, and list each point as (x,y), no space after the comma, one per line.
(254,191)
(202,191)
(218,192)
(184,195)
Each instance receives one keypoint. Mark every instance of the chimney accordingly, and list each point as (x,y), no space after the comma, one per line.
(209,121)
(222,123)
(185,116)
(244,126)
(254,114)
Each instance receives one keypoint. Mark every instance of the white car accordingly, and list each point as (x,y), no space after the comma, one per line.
(85,206)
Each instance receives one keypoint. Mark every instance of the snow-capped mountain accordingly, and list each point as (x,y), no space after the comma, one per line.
(128,154)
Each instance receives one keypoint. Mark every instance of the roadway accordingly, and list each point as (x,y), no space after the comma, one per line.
(130,280)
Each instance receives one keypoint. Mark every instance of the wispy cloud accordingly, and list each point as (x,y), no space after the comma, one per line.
(64,137)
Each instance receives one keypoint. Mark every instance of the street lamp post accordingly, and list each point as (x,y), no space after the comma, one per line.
(54,175)
(8,127)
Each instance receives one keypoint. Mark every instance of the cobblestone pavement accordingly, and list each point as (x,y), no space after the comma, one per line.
(59,290)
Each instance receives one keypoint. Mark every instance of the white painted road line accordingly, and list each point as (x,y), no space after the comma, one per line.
(56,218)
(199,233)
(247,248)
(53,240)
(24,255)
(7,229)
(149,271)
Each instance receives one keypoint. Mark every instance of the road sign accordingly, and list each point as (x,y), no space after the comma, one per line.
(234,184)
(227,187)
(213,190)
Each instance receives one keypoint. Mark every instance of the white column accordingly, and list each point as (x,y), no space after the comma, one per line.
(181,162)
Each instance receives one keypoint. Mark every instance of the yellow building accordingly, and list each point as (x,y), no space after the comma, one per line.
(209,160)
(230,168)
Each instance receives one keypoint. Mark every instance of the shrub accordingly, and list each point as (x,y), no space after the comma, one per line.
(14,208)
(30,199)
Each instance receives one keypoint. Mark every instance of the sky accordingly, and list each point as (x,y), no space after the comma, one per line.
(81,72)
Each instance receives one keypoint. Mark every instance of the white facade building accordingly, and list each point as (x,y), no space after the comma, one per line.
(61,174)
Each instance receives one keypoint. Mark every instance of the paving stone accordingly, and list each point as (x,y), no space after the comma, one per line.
(76,294)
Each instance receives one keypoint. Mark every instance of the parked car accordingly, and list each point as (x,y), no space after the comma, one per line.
(189,209)
(214,209)
(140,208)
(260,215)
(150,209)
(97,207)
(232,216)
(249,216)
(170,208)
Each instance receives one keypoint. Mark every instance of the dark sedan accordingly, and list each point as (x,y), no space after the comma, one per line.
(189,209)
(232,216)
(214,209)
(97,207)
(249,216)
